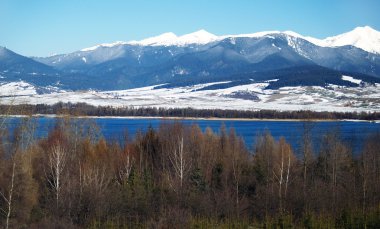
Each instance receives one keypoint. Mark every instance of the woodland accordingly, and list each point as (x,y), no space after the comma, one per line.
(179,176)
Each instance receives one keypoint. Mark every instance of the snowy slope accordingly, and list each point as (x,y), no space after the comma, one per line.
(202,57)
(108,45)
(20,88)
(170,39)
(365,38)
(253,96)
(205,57)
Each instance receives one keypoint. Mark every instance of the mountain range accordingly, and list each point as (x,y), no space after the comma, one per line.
(201,57)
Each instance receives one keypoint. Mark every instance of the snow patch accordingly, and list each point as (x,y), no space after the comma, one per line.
(351,79)
(274,80)
(179,71)
(108,45)
(19,88)
(171,39)
(273,45)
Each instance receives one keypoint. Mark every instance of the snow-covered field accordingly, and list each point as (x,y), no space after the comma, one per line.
(245,97)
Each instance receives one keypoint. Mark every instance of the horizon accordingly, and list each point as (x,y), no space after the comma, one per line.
(43,28)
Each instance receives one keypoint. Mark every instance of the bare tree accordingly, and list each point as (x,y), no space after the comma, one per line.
(237,157)
(125,168)
(56,167)
(96,179)
(335,157)
(369,170)
(180,162)
(9,197)
(281,170)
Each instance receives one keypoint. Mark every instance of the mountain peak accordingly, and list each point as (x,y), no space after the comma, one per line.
(103,45)
(2,48)
(5,52)
(200,33)
(364,28)
(198,37)
(169,39)
(364,37)
(363,31)
(156,40)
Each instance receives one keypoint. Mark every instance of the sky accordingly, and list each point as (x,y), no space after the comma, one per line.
(46,27)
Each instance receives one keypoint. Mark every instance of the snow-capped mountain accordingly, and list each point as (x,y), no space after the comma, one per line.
(365,38)
(109,45)
(265,70)
(170,39)
(14,67)
(202,57)
(166,39)
(14,63)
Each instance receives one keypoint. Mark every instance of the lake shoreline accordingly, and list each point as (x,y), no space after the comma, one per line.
(189,118)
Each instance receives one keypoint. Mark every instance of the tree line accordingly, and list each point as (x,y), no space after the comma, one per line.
(89,110)
(182,177)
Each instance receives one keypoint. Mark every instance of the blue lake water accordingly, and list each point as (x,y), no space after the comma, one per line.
(351,132)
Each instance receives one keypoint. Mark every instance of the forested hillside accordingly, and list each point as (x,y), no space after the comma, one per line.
(180,177)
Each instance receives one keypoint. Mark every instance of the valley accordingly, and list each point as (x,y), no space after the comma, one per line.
(254,96)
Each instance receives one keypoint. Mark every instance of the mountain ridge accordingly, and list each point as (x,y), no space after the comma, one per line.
(194,58)
(356,37)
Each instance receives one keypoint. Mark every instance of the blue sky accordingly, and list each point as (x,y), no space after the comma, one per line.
(44,27)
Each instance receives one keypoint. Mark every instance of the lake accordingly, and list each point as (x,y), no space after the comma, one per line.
(353,133)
